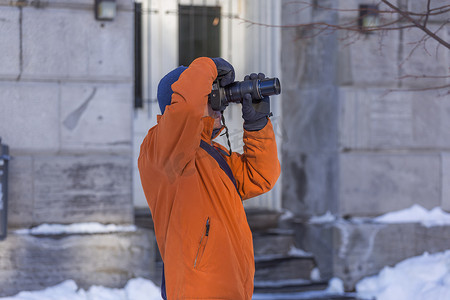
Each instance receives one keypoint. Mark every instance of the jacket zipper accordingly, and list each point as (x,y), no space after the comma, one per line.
(202,244)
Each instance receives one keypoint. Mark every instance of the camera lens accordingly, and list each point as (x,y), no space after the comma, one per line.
(269,87)
(257,88)
(234,92)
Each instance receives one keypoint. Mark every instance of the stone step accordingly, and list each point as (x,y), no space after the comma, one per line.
(270,244)
(289,286)
(262,219)
(280,267)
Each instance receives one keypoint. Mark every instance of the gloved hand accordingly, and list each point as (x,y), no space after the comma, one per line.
(255,114)
(225,71)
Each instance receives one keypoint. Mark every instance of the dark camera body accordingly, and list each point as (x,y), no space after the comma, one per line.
(220,97)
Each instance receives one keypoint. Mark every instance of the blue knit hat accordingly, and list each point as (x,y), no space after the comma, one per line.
(165,91)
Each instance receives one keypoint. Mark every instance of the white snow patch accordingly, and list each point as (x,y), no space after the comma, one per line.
(417,214)
(287,215)
(326,218)
(417,278)
(136,289)
(315,274)
(336,286)
(296,252)
(76,228)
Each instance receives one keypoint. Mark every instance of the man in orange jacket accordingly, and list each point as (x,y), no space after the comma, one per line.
(195,189)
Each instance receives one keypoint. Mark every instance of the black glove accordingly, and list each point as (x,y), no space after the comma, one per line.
(255,113)
(225,71)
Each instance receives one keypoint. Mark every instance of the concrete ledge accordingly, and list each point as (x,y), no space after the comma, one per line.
(352,250)
(35,262)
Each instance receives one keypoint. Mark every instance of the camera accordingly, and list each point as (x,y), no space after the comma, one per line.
(220,97)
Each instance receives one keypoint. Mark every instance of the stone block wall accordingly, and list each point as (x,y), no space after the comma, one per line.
(66,86)
(353,250)
(364,136)
(30,262)
(354,102)
(66,99)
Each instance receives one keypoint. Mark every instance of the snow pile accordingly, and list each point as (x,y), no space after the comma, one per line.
(295,252)
(417,278)
(76,228)
(287,215)
(417,214)
(335,286)
(326,218)
(136,289)
(315,274)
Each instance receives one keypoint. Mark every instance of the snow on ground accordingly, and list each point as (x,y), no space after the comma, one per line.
(425,277)
(143,289)
(419,278)
(76,228)
(136,289)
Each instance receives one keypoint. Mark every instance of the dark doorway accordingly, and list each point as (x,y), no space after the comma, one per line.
(199,32)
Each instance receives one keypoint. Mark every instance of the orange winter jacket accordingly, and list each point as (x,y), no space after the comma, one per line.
(200,224)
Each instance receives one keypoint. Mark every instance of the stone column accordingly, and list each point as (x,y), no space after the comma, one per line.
(354,146)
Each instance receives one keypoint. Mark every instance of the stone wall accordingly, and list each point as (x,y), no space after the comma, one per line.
(66,86)
(30,262)
(66,98)
(354,145)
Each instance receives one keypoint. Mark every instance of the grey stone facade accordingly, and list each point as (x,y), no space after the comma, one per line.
(66,98)
(355,147)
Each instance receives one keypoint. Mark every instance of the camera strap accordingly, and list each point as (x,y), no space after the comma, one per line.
(221,161)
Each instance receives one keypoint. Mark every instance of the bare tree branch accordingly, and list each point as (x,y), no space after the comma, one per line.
(428,13)
(390,18)
(432,12)
(417,24)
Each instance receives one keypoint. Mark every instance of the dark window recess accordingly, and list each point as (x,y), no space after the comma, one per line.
(199,32)
(138,101)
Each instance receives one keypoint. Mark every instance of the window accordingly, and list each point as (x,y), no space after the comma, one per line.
(199,32)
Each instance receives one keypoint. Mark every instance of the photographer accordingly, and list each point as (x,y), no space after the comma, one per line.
(195,187)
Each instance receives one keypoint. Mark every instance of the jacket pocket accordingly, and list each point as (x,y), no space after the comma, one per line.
(202,244)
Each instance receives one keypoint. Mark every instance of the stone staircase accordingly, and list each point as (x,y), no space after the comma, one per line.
(280,266)
(282,270)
